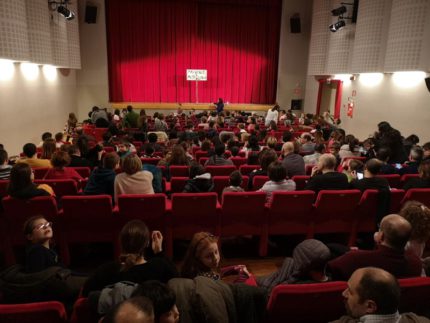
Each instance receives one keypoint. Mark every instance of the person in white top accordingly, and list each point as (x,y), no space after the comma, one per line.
(272,114)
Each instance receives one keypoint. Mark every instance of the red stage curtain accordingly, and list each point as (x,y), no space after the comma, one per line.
(152,43)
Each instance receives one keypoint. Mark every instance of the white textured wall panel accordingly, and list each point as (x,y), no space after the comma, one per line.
(319,37)
(39,33)
(73,38)
(371,36)
(408,36)
(13,30)
(60,47)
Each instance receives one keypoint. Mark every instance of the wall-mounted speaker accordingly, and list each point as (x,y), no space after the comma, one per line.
(296,104)
(295,27)
(90,14)
(428,83)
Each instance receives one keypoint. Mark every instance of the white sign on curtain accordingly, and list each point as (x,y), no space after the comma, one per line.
(197,75)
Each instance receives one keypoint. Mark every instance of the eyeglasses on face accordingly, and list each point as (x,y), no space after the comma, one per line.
(43,226)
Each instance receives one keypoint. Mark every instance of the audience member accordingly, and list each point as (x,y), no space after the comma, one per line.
(218,158)
(415,157)
(5,168)
(131,118)
(75,157)
(293,163)
(313,159)
(30,153)
(45,135)
(163,299)
(390,254)
(423,181)
(426,151)
(265,158)
(373,295)
(132,310)
(21,183)
(235,183)
(370,180)
(133,180)
(349,148)
(383,154)
(306,144)
(59,161)
(389,137)
(277,180)
(132,264)
(48,148)
(59,140)
(102,179)
(334,149)
(199,181)
(325,177)
(353,168)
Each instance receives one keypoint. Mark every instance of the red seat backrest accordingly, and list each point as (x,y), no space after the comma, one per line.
(396,200)
(301,181)
(247,169)
(238,161)
(418,194)
(61,187)
(414,296)
(393,179)
(220,170)
(83,171)
(294,302)
(177,184)
(179,171)
(406,177)
(40,172)
(367,211)
(4,183)
(258,181)
(221,182)
(47,312)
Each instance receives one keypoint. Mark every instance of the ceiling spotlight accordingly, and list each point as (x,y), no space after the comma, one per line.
(338,11)
(68,14)
(337,26)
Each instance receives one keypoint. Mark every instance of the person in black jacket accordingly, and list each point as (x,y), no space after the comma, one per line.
(325,177)
(21,183)
(423,181)
(199,181)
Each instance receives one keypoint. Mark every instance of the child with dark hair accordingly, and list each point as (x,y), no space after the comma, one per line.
(277,180)
(199,181)
(102,179)
(235,182)
(5,168)
(59,161)
(59,140)
(21,183)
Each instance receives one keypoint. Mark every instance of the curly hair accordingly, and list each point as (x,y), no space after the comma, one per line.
(418,216)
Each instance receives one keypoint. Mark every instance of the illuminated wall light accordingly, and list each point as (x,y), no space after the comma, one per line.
(345,78)
(408,79)
(30,71)
(7,70)
(371,79)
(50,72)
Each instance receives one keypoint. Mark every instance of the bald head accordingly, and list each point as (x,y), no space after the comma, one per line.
(288,148)
(396,231)
(327,162)
(134,310)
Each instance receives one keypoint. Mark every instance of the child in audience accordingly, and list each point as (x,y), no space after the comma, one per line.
(102,179)
(5,168)
(235,182)
(203,259)
(123,149)
(59,161)
(59,140)
(48,148)
(199,181)
(277,180)
(45,135)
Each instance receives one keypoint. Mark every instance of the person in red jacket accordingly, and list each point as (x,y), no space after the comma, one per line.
(59,161)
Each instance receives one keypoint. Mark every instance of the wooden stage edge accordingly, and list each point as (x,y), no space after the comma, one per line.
(191,106)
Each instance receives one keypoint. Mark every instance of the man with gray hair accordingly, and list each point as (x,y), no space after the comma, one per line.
(415,157)
(373,295)
(325,177)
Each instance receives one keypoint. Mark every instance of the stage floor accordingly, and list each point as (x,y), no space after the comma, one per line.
(191,106)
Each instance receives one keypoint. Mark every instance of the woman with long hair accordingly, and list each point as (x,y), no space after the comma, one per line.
(133,264)
(21,183)
(48,148)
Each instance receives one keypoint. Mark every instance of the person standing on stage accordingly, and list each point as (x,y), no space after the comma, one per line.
(272,114)
(219,105)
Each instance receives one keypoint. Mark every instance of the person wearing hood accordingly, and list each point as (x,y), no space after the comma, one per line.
(102,179)
(199,182)
(306,266)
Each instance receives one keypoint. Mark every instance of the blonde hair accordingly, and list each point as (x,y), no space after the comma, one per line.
(131,164)
(192,264)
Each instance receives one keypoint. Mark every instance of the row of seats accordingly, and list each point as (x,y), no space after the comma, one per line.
(299,303)
(92,218)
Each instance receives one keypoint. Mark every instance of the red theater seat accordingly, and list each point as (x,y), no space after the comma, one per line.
(83,171)
(301,181)
(247,169)
(83,313)
(177,184)
(150,208)
(335,211)
(415,295)
(306,303)
(365,218)
(46,312)
(406,177)
(393,179)
(61,187)
(396,200)
(179,171)
(87,219)
(221,182)
(258,181)
(191,213)
(220,170)
(40,172)
(417,194)
(244,213)
(238,161)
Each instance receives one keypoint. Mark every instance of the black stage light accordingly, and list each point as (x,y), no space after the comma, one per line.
(338,11)
(337,26)
(69,15)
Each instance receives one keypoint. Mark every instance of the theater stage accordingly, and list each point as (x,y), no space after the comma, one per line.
(191,106)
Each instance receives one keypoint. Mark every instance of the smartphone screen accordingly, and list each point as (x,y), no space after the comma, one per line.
(398,166)
(360,175)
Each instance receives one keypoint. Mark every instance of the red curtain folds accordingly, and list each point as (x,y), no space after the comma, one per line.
(151,43)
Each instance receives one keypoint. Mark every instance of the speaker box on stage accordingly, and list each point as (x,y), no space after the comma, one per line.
(428,83)
(295,27)
(90,14)
(296,104)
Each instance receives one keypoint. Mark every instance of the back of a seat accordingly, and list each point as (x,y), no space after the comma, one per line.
(238,161)
(396,200)
(337,202)
(247,169)
(177,184)
(179,171)
(393,179)
(367,211)
(40,172)
(4,183)
(83,171)
(46,312)
(258,181)
(150,208)
(220,170)
(418,194)
(301,181)
(415,295)
(61,187)
(306,303)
